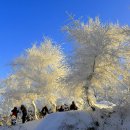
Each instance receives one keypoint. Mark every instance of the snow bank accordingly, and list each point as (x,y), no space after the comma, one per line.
(78,120)
(65,120)
(104,104)
(27,126)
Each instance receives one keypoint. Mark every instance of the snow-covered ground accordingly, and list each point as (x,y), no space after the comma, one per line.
(57,121)
(77,120)
(27,126)
(83,120)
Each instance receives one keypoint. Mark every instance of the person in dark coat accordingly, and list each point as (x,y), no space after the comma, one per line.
(24,113)
(14,116)
(61,109)
(73,106)
(44,111)
(15,112)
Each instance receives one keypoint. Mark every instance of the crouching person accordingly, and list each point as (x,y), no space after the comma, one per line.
(61,109)
(44,111)
(73,106)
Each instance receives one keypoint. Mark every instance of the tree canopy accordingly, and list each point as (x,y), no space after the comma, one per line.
(101,56)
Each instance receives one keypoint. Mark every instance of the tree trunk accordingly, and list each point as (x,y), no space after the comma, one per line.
(90,98)
(88,84)
(35,110)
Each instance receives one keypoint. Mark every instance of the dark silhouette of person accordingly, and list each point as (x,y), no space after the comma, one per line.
(14,115)
(24,113)
(61,109)
(44,111)
(73,106)
(15,112)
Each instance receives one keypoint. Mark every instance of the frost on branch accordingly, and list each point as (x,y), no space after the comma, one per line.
(38,73)
(101,57)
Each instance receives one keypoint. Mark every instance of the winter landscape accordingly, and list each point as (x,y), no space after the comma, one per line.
(77,78)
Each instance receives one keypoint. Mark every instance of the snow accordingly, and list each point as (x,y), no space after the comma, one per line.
(62,120)
(56,121)
(104,104)
(76,120)
(27,126)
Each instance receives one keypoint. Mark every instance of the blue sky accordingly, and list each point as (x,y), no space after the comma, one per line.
(23,22)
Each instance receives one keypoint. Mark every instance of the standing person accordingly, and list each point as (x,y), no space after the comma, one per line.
(73,106)
(15,112)
(44,111)
(14,115)
(24,113)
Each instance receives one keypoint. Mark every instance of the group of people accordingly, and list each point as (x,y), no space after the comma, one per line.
(67,108)
(43,112)
(61,108)
(15,112)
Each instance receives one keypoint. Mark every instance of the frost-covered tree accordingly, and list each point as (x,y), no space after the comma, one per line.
(15,94)
(38,73)
(101,57)
(44,66)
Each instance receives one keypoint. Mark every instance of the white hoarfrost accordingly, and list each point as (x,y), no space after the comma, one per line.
(101,58)
(37,74)
(104,104)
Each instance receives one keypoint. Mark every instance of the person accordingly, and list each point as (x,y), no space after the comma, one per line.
(14,112)
(14,116)
(73,106)
(24,113)
(44,111)
(61,109)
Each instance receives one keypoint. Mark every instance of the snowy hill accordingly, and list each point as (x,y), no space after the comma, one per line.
(76,120)
(84,120)
(57,121)
(27,126)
